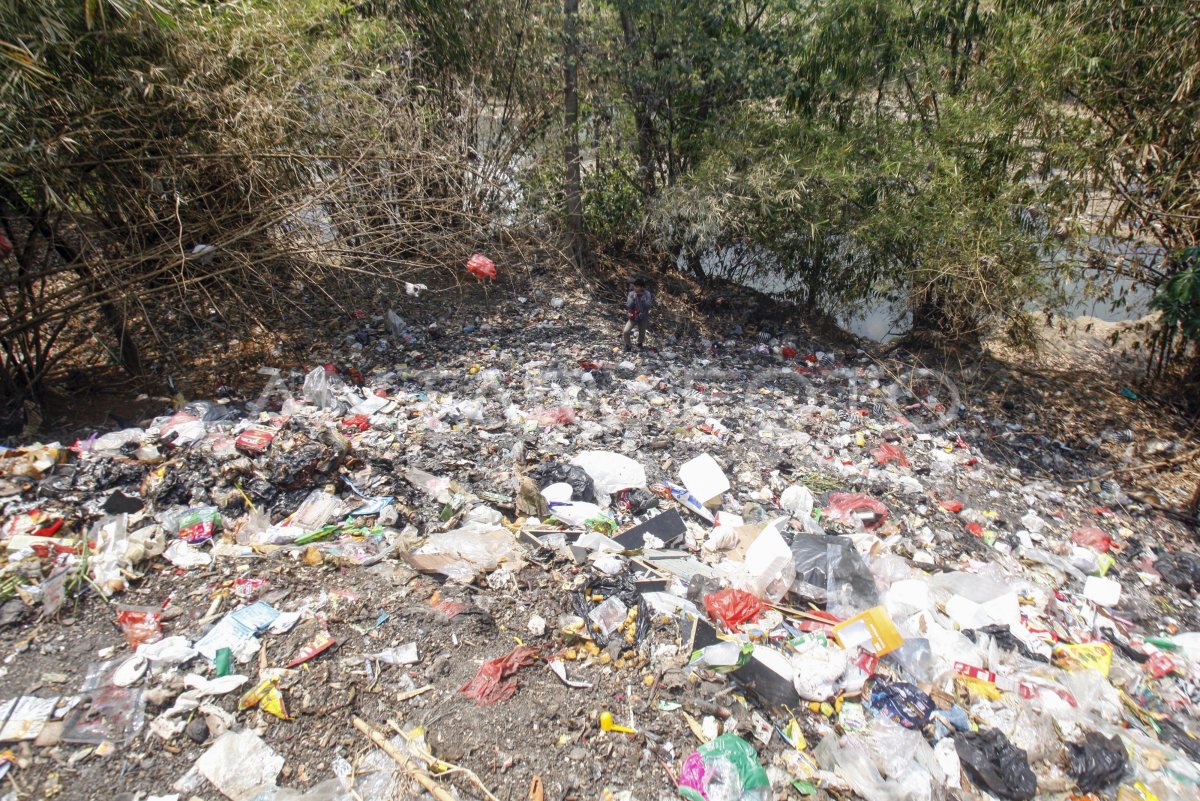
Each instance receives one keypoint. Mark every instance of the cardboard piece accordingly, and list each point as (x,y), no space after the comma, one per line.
(678,563)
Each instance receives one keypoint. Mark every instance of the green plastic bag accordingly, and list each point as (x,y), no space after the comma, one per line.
(740,754)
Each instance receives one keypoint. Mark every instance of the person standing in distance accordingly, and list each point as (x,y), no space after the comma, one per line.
(637,306)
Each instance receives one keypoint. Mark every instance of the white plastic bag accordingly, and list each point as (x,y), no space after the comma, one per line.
(889,763)
(610,472)
(112,542)
(471,410)
(436,487)
(818,669)
(464,553)
(115,440)
(174,650)
(797,500)
(316,511)
(725,534)
(578,513)
(186,556)
(240,765)
(216,686)
(317,390)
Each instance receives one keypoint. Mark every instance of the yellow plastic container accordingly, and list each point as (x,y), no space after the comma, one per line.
(872,630)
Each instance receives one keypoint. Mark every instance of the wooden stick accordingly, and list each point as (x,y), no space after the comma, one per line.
(800,613)
(434,762)
(414,693)
(380,739)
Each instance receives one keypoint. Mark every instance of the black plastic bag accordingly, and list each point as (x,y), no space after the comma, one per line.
(1180,570)
(582,487)
(829,571)
(851,587)
(620,586)
(811,554)
(1004,637)
(640,501)
(1097,762)
(120,503)
(1128,651)
(995,764)
(1180,737)
(211,412)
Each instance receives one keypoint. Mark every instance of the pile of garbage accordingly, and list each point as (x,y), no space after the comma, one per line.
(771,571)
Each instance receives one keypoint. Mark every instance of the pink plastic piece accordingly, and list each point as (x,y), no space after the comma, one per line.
(692,773)
(555,416)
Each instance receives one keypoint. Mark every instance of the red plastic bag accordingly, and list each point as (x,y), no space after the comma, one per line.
(887,452)
(481,266)
(790,353)
(1159,665)
(1093,537)
(489,685)
(733,608)
(141,624)
(952,506)
(852,507)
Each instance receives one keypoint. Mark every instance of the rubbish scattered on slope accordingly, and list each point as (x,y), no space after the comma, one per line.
(723,542)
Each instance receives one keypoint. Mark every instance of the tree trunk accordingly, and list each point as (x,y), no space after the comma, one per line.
(573,183)
(641,108)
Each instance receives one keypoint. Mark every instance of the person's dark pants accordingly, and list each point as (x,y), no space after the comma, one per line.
(640,323)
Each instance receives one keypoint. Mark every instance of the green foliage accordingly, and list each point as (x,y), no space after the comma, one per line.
(678,68)
(613,204)
(1116,83)
(842,153)
(846,153)
(1128,71)
(1178,298)
(160,173)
